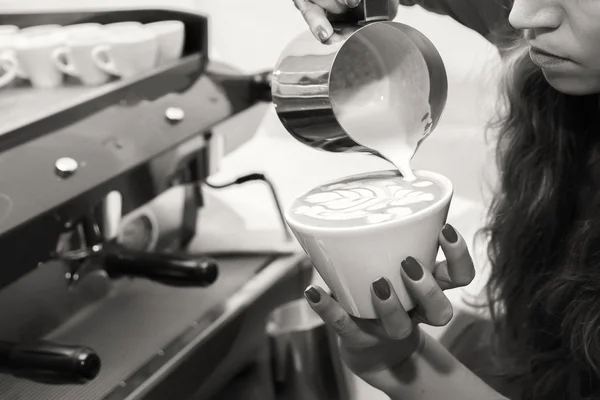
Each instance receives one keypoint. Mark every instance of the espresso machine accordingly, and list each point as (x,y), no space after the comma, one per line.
(84,317)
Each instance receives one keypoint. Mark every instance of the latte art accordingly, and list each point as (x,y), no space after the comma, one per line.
(370,199)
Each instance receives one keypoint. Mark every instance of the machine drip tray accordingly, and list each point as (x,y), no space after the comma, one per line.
(146,332)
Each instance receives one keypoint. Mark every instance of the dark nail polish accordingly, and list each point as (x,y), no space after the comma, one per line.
(382,289)
(412,268)
(312,295)
(322,34)
(450,234)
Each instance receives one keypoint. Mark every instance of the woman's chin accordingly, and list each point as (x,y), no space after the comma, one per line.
(573,85)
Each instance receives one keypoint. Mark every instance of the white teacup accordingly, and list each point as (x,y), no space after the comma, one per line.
(34,31)
(128,52)
(122,26)
(35,57)
(78,29)
(139,230)
(75,58)
(171,37)
(358,229)
(40,30)
(8,29)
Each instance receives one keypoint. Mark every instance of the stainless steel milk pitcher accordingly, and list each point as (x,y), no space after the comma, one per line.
(313,81)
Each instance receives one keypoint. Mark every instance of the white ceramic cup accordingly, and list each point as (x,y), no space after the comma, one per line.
(40,30)
(75,57)
(77,29)
(8,29)
(9,66)
(139,230)
(34,31)
(122,26)
(171,37)
(350,258)
(35,57)
(128,52)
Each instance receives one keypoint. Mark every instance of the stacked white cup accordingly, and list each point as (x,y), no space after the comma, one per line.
(91,52)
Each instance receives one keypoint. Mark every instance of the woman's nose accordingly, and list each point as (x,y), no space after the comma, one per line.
(536,14)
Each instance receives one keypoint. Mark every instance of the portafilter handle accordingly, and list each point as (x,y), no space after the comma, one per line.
(367,11)
(49,362)
(168,269)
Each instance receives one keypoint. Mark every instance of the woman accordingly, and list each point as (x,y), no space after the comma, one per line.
(544,228)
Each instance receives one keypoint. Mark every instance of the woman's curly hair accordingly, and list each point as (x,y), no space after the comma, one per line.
(544,236)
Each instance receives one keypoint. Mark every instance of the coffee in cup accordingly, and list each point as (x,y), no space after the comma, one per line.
(360,228)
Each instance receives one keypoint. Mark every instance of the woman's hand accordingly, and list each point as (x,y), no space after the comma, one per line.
(371,348)
(314,12)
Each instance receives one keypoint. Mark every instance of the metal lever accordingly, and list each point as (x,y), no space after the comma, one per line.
(49,363)
(165,268)
(366,12)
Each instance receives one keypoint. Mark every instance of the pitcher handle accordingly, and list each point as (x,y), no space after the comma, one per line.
(367,11)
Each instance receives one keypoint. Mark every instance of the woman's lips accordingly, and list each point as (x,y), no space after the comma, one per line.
(544,59)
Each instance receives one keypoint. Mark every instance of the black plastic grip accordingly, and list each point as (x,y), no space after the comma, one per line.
(49,362)
(168,269)
(367,11)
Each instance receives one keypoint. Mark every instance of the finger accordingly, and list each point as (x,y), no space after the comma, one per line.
(432,303)
(393,6)
(316,19)
(331,312)
(458,269)
(350,3)
(394,318)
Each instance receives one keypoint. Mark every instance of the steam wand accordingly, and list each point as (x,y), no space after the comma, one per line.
(259,177)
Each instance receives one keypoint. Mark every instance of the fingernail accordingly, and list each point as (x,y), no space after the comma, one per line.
(312,295)
(352,3)
(450,234)
(382,289)
(322,34)
(412,268)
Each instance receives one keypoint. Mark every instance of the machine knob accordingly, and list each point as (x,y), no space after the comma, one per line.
(174,115)
(65,167)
